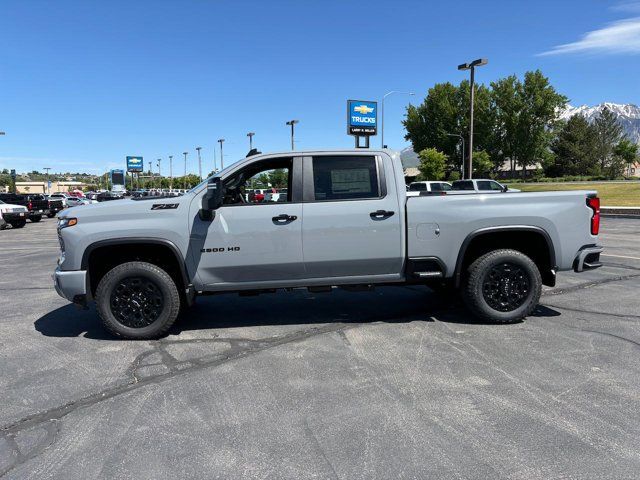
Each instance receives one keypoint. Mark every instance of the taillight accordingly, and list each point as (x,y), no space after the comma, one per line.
(30,206)
(594,204)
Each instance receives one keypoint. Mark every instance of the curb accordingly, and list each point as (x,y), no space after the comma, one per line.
(620,212)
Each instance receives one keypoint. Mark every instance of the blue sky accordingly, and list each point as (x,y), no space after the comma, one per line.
(85,83)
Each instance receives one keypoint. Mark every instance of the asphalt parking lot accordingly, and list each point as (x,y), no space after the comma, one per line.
(393,383)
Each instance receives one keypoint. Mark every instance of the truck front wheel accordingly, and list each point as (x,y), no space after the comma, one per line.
(137,300)
(35,218)
(503,286)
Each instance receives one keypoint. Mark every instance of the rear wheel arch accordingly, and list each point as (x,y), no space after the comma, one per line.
(100,257)
(535,242)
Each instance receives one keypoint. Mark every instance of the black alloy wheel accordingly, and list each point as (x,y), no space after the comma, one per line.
(136,302)
(506,287)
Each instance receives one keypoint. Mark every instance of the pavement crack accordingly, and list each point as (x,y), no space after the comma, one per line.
(240,348)
(596,283)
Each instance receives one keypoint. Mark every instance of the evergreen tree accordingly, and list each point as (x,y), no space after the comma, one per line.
(608,132)
(574,150)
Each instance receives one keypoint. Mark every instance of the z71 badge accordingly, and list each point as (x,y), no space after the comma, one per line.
(164,206)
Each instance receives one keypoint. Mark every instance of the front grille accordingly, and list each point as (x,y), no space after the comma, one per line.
(61,242)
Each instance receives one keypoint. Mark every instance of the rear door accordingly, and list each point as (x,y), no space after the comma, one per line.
(351,217)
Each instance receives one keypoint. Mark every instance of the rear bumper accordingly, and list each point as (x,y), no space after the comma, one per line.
(587,258)
(71,285)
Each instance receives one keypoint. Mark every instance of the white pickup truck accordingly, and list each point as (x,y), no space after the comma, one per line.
(346,222)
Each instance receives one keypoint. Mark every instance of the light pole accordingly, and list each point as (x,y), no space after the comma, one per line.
(250,135)
(221,141)
(159,174)
(382,113)
(184,183)
(171,172)
(47,169)
(199,163)
(472,67)
(462,140)
(292,123)
(150,174)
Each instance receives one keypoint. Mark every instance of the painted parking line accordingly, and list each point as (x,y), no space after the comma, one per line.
(618,256)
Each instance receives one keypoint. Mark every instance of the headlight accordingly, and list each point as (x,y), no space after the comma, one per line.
(67,222)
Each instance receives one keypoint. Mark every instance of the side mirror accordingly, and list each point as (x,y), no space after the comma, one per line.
(505,188)
(212,199)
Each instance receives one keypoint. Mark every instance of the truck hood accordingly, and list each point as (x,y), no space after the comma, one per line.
(12,207)
(118,209)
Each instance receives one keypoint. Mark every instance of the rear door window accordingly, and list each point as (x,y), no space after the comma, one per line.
(463,185)
(484,185)
(346,177)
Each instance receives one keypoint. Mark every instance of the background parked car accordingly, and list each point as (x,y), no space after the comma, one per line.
(430,186)
(56,205)
(14,215)
(481,185)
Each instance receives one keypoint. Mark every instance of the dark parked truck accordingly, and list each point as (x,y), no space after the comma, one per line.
(346,222)
(36,204)
(56,205)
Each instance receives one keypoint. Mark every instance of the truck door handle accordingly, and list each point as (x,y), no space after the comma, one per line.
(381,214)
(283,219)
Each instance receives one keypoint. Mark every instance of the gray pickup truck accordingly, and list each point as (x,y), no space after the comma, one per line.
(345,221)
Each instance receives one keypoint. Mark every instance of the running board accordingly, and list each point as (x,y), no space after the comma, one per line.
(428,274)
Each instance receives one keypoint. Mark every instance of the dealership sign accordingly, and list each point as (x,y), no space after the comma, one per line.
(362,117)
(134,164)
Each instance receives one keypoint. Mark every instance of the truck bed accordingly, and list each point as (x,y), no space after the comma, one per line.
(438,225)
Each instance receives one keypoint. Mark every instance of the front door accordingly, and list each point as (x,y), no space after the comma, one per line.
(251,240)
(352,219)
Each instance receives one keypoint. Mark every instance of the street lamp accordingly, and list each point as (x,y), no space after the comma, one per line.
(171,172)
(250,135)
(199,162)
(221,141)
(44,168)
(382,113)
(184,182)
(292,123)
(471,66)
(159,174)
(462,140)
(150,174)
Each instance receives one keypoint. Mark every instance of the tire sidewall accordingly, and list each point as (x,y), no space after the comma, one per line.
(144,270)
(535,289)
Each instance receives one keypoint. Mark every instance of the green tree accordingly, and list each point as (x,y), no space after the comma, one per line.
(482,164)
(506,105)
(574,149)
(432,164)
(539,103)
(608,132)
(279,178)
(627,153)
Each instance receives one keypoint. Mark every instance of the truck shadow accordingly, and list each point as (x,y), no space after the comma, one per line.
(386,304)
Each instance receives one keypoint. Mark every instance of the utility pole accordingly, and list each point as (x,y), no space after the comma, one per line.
(250,135)
(184,183)
(150,175)
(292,123)
(171,172)
(221,141)
(472,67)
(199,163)
(48,188)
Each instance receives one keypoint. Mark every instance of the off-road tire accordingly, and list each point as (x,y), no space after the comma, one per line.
(35,218)
(474,296)
(147,271)
(19,224)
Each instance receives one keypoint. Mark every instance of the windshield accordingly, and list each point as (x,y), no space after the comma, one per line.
(206,180)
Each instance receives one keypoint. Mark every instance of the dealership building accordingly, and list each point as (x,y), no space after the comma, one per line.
(41,187)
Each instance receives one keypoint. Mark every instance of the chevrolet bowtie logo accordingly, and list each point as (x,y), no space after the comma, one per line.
(363,109)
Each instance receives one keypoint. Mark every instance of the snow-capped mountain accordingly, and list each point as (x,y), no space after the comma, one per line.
(628,116)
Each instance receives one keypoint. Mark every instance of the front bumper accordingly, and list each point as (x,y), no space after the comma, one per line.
(587,258)
(71,285)
(15,216)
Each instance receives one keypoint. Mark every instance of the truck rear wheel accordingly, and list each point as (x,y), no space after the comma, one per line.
(503,286)
(137,300)
(51,215)
(35,218)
